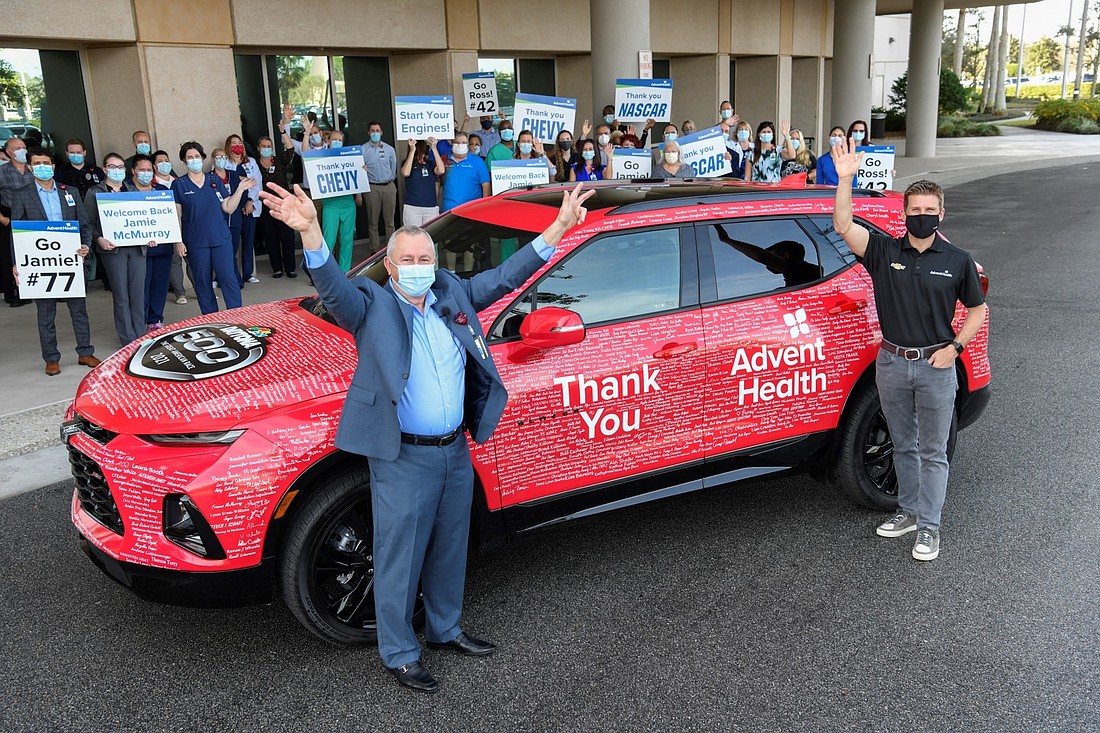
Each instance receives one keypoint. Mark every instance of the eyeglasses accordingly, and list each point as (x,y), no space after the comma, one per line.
(115,167)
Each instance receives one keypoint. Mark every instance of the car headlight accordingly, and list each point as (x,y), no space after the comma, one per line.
(186,527)
(220,437)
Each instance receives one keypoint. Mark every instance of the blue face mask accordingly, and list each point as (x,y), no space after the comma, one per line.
(20,155)
(507,134)
(526,148)
(766,137)
(727,113)
(858,135)
(76,158)
(670,136)
(476,150)
(836,140)
(144,177)
(194,165)
(609,119)
(220,162)
(375,137)
(795,142)
(42,171)
(143,148)
(415,280)
(588,154)
(267,152)
(336,143)
(743,135)
(117,175)
(315,139)
(164,167)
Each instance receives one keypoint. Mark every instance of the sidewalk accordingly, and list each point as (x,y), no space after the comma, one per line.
(33,404)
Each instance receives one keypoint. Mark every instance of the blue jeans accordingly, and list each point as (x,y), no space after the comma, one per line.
(421,502)
(918,401)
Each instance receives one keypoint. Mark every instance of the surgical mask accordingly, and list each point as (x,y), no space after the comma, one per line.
(689,130)
(315,139)
(336,143)
(671,157)
(267,152)
(144,177)
(565,144)
(20,155)
(670,136)
(795,142)
(526,148)
(236,149)
(507,134)
(375,137)
(743,135)
(460,148)
(143,148)
(604,139)
(476,150)
(588,154)
(220,162)
(118,175)
(76,158)
(858,135)
(609,119)
(766,137)
(920,226)
(194,165)
(42,171)
(415,280)
(836,140)
(164,167)
(486,124)
(727,113)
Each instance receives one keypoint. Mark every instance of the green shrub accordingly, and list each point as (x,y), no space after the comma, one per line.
(1078,126)
(954,126)
(1047,91)
(1067,115)
(953,95)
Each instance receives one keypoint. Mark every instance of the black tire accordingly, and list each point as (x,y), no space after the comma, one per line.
(326,564)
(863,467)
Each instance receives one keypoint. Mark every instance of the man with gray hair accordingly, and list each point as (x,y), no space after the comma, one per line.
(424,376)
(13,176)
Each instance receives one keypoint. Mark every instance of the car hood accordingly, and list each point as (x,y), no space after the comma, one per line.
(218,370)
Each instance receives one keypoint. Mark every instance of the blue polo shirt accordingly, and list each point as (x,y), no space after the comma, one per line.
(204,222)
(463,181)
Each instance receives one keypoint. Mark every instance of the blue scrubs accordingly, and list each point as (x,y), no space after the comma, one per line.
(209,246)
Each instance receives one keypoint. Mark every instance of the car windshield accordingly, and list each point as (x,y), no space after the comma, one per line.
(464,246)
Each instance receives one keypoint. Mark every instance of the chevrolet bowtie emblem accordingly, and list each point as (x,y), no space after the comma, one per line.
(897,266)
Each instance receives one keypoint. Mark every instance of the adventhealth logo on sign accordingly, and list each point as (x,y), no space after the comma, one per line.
(770,358)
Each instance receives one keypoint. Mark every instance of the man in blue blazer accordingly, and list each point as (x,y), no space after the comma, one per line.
(424,376)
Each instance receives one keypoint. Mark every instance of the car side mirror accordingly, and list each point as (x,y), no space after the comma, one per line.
(548,327)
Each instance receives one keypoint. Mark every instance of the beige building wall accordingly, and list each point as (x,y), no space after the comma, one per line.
(76,20)
(807,103)
(755,27)
(115,73)
(536,26)
(684,28)
(359,24)
(573,76)
(701,83)
(764,89)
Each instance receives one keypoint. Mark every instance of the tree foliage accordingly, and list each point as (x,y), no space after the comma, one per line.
(11,89)
(953,95)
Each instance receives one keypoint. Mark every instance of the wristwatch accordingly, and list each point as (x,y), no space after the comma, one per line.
(958,347)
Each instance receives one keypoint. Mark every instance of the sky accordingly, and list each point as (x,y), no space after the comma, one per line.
(1039,19)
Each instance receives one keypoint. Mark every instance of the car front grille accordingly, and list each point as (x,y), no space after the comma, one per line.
(93,492)
(93,431)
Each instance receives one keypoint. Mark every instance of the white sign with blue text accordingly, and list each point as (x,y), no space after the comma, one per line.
(335,171)
(705,152)
(47,259)
(507,174)
(135,218)
(638,100)
(631,163)
(419,118)
(480,92)
(876,170)
(544,116)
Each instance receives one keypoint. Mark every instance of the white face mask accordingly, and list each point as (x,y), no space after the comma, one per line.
(604,139)
(461,148)
(671,157)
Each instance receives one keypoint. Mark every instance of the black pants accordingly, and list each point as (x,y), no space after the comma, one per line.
(7,280)
(279,240)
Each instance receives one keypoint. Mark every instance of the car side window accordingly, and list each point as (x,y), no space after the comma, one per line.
(759,256)
(611,278)
(835,254)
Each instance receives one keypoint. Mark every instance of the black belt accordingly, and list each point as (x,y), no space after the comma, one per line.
(432,439)
(912,353)
(383,183)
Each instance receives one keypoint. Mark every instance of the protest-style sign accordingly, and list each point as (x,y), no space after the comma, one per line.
(631,163)
(638,100)
(480,92)
(876,170)
(544,116)
(135,218)
(335,171)
(419,118)
(705,151)
(47,260)
(507,174)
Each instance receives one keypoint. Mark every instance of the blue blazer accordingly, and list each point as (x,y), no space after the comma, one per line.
(382,327)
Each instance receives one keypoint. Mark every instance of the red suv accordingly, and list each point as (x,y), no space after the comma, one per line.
(690,334)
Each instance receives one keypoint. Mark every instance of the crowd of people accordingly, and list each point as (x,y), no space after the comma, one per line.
(224,222)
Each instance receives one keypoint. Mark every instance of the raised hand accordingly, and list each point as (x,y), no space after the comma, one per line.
(572,212)
(631,130)
(247,183)
(412,144)
(845,160)
(586,128)
(432,143)
(785,127)
(293,209)
(288,113)
(536,145)
(650,123)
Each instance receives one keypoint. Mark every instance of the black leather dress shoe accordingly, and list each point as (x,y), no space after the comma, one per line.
(416,677)
(468,645)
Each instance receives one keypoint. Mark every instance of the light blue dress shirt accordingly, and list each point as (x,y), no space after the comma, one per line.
(434,396)
(381,161)
(50,201)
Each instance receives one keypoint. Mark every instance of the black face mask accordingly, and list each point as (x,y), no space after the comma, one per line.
(922,226)
(486,124)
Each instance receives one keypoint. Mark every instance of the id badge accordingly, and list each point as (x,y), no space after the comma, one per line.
(423,172)
(69,199)
(219,195)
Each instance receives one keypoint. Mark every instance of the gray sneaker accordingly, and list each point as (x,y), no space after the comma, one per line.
(897,525)
(927,546)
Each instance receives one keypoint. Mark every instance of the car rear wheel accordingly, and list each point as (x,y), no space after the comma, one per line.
(864,463)
(326,567)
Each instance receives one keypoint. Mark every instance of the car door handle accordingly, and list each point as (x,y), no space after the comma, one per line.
(673,350)
(848,306)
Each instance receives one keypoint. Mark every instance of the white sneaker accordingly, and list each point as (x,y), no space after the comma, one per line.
(181,300)
(897,525)
(253,279)
(927,546)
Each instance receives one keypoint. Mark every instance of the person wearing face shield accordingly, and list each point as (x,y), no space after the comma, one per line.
(13,176)
(424,377)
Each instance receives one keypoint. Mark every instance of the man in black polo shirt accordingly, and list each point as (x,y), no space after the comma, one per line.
(917,279)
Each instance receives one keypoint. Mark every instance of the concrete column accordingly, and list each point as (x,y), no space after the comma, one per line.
(853,42)
(619,31)
(922,109)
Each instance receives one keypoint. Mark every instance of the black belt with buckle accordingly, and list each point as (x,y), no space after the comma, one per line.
(437,440)
(912,353)
(383,183)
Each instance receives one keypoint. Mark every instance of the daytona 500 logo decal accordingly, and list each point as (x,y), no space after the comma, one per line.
(200,352)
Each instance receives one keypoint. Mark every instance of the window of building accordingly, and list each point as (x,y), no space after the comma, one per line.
(42,98)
